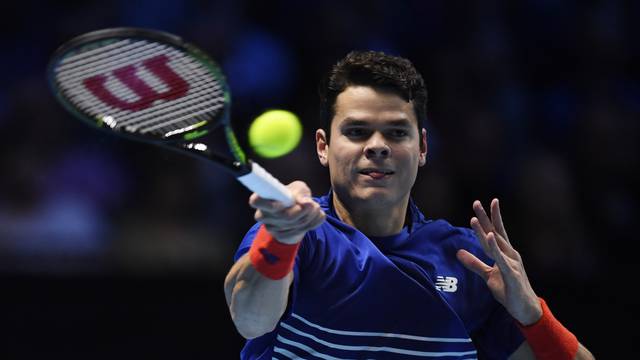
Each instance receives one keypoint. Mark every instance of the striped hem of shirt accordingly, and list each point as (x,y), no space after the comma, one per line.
(300,338)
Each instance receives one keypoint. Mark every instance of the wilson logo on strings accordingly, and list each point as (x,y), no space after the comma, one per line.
(129,76)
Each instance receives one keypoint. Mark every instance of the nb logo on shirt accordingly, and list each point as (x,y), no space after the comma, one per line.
(446,283)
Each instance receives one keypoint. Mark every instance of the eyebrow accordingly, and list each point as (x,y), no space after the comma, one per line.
(392,123)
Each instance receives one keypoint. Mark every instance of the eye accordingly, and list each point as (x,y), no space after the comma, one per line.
(398,133)
(354,132)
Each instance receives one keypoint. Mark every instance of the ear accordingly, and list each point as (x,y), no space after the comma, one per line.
(423,147)
(322,147)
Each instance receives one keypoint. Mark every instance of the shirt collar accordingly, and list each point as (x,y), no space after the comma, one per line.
(415,215)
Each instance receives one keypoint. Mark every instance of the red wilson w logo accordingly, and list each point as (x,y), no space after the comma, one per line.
(177,86)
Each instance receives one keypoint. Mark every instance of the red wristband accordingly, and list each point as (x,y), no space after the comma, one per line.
(548,339)
(270,257)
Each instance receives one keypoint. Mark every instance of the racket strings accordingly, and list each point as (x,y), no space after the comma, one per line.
(133,120)
(171,90)
(128,118)
(104,59)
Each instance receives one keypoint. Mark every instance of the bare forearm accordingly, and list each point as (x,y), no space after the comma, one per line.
(256,302)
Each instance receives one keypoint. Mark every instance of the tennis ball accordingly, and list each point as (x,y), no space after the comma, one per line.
(275,133)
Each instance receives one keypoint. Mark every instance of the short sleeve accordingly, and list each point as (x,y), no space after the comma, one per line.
(246,242)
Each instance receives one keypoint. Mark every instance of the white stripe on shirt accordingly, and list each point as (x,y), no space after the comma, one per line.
(306,348)
(372,348)
(390,335)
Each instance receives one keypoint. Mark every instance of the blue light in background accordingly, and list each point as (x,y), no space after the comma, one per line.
(165,15)
(559,111)
(260,67)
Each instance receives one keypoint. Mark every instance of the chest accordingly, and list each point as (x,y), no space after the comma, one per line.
(351,280)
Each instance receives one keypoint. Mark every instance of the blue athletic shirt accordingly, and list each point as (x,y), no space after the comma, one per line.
(404,296)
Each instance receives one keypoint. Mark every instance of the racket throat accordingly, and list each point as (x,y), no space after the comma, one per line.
(203,151)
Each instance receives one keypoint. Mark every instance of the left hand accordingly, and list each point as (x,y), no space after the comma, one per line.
(506,279)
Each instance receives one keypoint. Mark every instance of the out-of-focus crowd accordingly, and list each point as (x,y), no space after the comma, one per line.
(534,102)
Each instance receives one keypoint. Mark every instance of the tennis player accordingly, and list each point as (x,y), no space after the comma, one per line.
(360,273)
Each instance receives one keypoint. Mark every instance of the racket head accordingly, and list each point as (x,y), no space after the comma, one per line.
(143,84)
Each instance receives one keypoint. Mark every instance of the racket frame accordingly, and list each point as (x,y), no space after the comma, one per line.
(183,141)
(249,173)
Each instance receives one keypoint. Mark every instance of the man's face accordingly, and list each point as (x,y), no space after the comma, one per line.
(375,147)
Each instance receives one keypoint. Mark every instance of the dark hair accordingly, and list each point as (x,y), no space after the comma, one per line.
(378,70)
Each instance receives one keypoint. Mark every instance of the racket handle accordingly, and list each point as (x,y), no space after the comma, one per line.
(265,185)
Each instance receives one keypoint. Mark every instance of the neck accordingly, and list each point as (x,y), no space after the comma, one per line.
(372,221)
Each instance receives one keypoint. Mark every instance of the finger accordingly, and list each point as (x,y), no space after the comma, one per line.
(305,221)
(474,264)
(257,202)
(498,256)
(282,234)
(305,200)
(267,215)
(298,228)
(319,220)
(482,236)
(299,188)
(300,210)
(314,217)
(303,203)
(298,213)
(482,216)
(258,216)
(496,219)
(286,218)
(504,245)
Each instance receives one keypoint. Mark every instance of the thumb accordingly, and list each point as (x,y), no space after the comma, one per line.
(299,190)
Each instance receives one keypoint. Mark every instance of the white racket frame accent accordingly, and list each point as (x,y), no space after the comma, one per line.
(264,184)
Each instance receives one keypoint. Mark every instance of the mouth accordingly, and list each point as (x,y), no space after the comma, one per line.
(376,173)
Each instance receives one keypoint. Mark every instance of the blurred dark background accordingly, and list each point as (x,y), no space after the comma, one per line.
(110,249)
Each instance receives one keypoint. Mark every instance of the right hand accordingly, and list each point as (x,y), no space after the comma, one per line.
(289,224)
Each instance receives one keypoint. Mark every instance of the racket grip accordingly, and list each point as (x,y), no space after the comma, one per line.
(264,184)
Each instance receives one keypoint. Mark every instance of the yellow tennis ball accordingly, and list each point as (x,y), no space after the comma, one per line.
(275,133)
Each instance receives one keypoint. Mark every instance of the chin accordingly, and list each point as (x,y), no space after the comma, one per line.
(380,195)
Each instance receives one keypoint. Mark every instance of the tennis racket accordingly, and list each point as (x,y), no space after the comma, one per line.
(151,86)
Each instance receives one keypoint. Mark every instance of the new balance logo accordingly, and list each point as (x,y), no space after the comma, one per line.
(446,283)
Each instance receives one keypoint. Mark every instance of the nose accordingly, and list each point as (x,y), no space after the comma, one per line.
(376,147)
